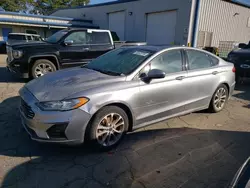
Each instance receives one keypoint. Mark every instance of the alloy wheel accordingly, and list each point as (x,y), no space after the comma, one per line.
(220,98)
(42,69)
(110,129)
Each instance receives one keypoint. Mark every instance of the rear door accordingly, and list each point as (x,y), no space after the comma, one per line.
(203,78)
(99,42)
(76,53)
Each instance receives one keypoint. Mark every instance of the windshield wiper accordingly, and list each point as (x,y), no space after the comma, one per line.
(104,71)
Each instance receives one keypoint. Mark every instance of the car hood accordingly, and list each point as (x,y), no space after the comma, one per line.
(62,84)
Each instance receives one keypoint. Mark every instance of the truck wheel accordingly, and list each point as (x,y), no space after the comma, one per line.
(42,67)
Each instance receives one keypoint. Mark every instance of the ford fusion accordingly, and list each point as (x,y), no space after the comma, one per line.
(123,90)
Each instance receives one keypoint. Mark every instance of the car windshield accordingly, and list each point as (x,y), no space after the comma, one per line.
(56,37)
(122,61)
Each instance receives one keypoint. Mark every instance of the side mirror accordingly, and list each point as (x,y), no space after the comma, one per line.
(242,45)
(156,74)
(68,42)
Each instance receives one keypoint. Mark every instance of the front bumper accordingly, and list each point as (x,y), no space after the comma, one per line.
(17,67)
(66,127)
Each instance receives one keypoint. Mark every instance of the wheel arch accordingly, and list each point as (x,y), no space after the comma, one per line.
(50,57)
(121,105)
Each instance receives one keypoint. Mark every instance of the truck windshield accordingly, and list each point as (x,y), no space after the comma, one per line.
(122,61)
(56,37)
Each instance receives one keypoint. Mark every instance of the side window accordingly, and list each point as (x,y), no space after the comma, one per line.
(169,62)
(99,38)
(78,37)
(199,60)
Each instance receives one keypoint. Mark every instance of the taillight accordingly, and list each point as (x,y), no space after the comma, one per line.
(234,69)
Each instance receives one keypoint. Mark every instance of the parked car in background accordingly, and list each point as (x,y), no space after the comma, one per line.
(122,90)
(66,48)
(241,59)
(242,177)
(22,37)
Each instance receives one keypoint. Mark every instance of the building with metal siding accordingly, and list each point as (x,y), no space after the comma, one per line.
(198,22)
(222,24)
(39,24)
(138,16)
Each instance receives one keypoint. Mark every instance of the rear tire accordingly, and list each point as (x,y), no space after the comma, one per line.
(42,67)
(107,128)
(219,99)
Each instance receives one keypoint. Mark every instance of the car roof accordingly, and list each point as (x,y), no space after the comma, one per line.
(155,48)
(27,34)
(84,29)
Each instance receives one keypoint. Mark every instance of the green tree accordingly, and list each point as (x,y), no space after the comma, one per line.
(15,5)
(47,6)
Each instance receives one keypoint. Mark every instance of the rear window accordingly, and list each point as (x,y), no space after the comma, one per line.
(99,38)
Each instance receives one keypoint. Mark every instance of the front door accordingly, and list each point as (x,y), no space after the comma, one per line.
(5,32)
(203,78)
(162,98)
(75,50)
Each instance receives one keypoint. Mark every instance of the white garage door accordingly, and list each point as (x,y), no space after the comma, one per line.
(117,23)
(161,28)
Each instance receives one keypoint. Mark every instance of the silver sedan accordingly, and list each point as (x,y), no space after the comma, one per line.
(123,90)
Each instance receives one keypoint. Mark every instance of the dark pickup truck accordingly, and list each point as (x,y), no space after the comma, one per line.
(241,59)
(66,48)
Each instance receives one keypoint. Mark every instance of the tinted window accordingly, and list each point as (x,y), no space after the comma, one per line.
(169,62)
(57,36)
(198,60)
(99,38)
(121,61)
(78,37)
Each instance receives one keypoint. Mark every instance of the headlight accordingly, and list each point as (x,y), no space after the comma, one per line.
(63,105)
(17,54)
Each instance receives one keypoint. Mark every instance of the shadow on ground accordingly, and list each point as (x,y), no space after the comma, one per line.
(6,76)
(242,91)
(181,157)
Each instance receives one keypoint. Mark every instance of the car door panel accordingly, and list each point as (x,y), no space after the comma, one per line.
(161,98)
(203,78)
(76,53)
(202,84)
(98,50)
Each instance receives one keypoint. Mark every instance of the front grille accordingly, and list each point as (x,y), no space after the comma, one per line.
(26,109)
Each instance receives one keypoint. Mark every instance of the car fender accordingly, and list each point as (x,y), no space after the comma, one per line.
(43,56)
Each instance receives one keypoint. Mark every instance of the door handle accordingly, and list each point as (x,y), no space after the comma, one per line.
(215,72)
(180,77)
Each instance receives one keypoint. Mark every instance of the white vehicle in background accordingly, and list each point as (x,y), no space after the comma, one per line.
(22,38)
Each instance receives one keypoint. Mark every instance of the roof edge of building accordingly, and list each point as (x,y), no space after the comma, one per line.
(96,5)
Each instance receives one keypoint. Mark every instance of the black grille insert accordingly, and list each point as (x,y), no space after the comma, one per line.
(26,109)
(57,131)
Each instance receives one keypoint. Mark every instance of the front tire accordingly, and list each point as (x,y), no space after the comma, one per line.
(219,99)
(42,67)
(108,127)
